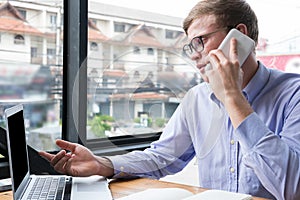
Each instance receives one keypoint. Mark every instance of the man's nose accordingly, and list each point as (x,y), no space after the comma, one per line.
(195,55)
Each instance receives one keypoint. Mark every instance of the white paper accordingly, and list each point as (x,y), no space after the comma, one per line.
(159,194)
(182,194)
(219,194)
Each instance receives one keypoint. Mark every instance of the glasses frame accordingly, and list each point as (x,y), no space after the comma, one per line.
(197,44)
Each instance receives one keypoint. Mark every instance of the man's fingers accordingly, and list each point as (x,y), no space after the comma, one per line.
(66,145)
(60,155)
(59,161)
(46,155)
(233,52)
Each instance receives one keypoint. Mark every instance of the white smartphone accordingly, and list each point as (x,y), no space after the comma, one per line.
(245,46)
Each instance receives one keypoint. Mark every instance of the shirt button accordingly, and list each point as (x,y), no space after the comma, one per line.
(122,174)
(121,168)
(232,142)
(232,169)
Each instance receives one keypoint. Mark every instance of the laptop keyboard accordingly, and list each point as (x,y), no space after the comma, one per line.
(47,188)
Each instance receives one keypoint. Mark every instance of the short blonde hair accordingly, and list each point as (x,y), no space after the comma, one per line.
(227,13)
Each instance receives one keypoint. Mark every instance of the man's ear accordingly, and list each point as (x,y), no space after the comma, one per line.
(242,28)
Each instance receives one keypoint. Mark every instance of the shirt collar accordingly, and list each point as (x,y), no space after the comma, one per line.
(257,83)
(212,96)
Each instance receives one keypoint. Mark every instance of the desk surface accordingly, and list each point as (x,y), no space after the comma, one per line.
(121,188)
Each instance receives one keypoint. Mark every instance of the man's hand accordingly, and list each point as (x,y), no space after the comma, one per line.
(226,76)
(226,81)
(78,161)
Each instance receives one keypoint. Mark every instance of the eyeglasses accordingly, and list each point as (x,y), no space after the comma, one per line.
(197,45)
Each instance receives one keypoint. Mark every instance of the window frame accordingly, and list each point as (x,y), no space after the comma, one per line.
(75,52)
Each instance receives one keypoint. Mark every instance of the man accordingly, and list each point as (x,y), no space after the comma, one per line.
(242,124)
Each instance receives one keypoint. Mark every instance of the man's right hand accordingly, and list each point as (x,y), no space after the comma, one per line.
(78,161)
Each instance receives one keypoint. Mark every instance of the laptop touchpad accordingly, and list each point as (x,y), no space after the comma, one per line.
(88,184)
(90,187)
(87,187)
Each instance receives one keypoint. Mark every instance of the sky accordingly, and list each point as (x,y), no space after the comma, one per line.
(278,19)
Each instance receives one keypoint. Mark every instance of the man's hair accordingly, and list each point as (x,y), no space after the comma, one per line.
(227,13)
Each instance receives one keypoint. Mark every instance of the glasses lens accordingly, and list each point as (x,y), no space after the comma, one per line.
(187,49)
(197,44)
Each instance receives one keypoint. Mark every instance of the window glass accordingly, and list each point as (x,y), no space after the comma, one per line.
(138,76)
(278,46)
(31,73)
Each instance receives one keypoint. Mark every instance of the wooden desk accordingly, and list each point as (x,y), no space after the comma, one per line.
(121,188)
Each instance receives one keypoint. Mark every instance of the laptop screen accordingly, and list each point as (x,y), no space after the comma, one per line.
(17,144)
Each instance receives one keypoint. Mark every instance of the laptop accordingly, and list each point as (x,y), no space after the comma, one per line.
(23,183)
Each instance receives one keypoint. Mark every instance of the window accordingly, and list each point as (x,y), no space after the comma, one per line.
(118,27)
(94,46)
(134,93)
(23,13)
(171,34)
(51,56)
(53,22)
(53,19)
(33,52)
(136,50)
(26,75)
(19,39)
(51,53)
(150,51)
(94,21)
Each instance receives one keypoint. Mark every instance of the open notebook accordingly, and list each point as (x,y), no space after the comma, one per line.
(47,186)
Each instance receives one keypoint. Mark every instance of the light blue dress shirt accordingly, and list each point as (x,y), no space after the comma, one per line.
(261,157)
